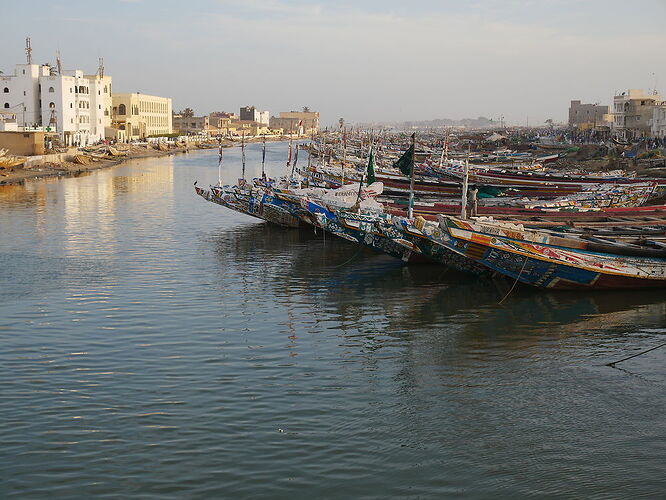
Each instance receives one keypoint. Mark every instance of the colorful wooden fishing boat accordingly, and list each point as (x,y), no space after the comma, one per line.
(546,260)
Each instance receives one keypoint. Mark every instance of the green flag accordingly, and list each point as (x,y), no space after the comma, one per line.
(371,168)
(405,163)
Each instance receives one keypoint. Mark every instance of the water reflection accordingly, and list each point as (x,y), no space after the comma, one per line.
(139,322)
(379,295)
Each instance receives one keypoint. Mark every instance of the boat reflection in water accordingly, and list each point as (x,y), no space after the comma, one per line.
(378,296)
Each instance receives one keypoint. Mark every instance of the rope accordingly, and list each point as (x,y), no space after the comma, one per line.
(351,258)
(635,355)
(515,282)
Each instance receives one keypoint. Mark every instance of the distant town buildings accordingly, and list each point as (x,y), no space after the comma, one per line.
(137,116)
(82,109)
(633,113)
(296,122)
(187,124)
(252,114)
(589,115)
(216,115)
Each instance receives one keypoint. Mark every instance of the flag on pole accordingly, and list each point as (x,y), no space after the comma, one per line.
(371,167)
(406,162)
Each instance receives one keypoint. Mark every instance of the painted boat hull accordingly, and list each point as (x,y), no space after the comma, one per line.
(553,267)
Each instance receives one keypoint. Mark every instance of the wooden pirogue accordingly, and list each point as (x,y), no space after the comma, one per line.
(547,259)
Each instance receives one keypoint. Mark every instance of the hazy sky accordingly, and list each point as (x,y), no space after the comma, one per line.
(374,60)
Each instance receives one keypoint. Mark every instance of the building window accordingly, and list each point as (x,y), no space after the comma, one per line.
(51,89)
(6,105)
(71,105)
(105,89)
(52,105)
(122,110)
(6,91)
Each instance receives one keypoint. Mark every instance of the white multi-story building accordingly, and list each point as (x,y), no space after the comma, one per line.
(75,106)
(102,102)
(20,93)
(659,120)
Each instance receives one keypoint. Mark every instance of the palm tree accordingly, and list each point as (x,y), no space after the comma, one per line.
(187,112)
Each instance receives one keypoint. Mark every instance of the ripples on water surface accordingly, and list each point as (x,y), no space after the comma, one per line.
(154,344)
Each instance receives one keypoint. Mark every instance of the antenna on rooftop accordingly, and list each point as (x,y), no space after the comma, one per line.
(28,50)
(100,68)
(58,63)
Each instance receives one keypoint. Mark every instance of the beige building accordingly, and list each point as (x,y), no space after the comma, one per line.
(190,124)
(140,115)
(296,122)
(25,143)
(239,128)
(589,115)
(633,112)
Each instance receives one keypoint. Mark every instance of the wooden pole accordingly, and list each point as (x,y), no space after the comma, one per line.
(410,212)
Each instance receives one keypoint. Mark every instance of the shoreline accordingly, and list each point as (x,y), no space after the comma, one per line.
(19,175)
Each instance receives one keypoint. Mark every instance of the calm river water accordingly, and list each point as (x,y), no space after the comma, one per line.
(155,345)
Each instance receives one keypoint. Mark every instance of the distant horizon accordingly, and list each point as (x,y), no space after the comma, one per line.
(372,61)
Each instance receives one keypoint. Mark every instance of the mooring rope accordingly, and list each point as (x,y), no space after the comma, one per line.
(351,258)
(635,355)
(515,282)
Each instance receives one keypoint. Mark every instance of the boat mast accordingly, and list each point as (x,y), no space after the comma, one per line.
(263,158)
(410,212)
(243,153)
(344,153)
(310,151)
(293,167)
(463,202)
(445,150)
(219,165)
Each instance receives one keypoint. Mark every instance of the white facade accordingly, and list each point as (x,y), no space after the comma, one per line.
(264,117)
(101,102)
(659,120)
(19,93)
(62,103)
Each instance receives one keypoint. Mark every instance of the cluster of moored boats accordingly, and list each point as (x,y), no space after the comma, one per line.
(495,213)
